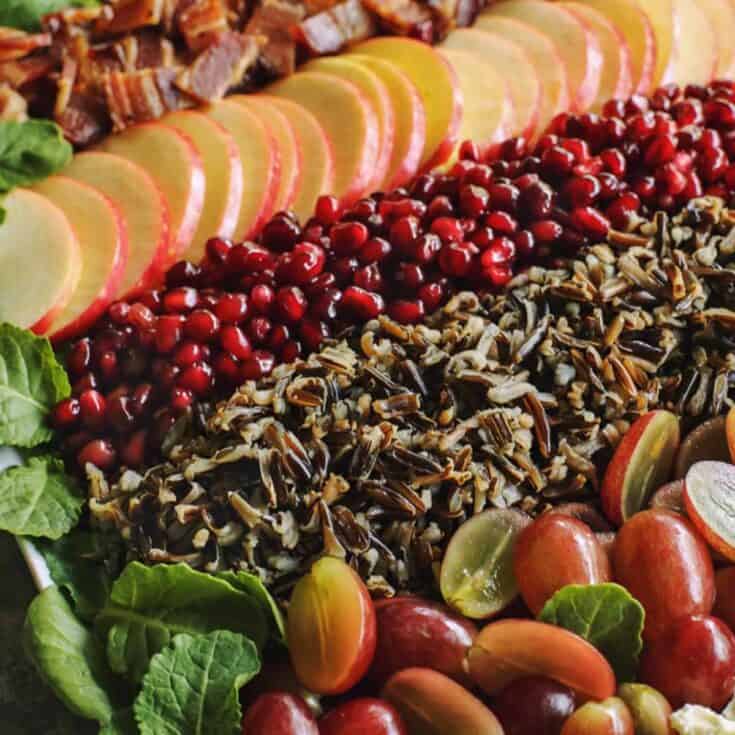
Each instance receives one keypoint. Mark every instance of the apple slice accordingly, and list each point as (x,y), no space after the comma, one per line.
(696,54)
(616,79)
(663,21)
(545,57)
(437,86)
(488,108)
(577,44)
(348,120)
(642,462)
(706,441)
(316,152)
(103,239)
(40,261)
(409,120)
(223,174)
(633,22)
(510,62)
(709,500)
(143,207)
(721,15)
(261,164)
(284,134)
(175,165)
(371,85)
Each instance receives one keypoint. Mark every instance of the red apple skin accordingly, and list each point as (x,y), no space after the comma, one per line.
(363,716)
(279,713)
(665,564)
(405,624)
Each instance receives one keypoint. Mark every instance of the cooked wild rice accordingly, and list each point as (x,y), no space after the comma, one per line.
(378,447)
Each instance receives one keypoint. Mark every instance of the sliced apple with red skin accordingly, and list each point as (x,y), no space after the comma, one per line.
(507,650)
(375,91)
(545,57)
(721,16)
(510,62)
(709,500)
(174,163)
(348,120)
(409,120)
(664,23)
(223,173)
(488,108)
(437,86)
(261,164)
(575,41)
(616,79)
(284,134)
(629,17)
(144,208)
(642,462)
(103,239)
(696,55)
(40,261)
(317,155)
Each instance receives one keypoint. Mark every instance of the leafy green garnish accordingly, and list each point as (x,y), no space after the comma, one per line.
(607,616)
(253,586)
(31,383)
(192,686)
(69,657)
(27,14)
(39,499)
(149,605)
(83,563)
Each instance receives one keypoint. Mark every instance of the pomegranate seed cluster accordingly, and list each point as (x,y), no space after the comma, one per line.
(249,306)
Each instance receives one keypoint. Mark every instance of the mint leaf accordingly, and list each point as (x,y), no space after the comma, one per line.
(607,616)
(69,658)
(31,383)
(83,563)
(149,605)
(39,499)
(192,686)
(31,151)
(27,14)
(254,587)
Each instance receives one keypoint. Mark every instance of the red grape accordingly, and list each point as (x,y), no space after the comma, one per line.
(279,713)
(610,717)
(534,705)
(364,716)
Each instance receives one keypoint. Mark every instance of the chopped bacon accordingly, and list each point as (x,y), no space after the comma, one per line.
(129,15)
(84,119)
(220,67)
(274,19)
(201,21)
(141,50)
(13,107)
(404,17)
(329,31)
(16,44)
(20,73)
(141,96)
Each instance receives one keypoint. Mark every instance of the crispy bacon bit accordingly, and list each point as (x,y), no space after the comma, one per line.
(273,19)
(13,107)
(129,15)
(220,67)
(141,96)
(15,44)
(24,71)
(201,21)
(404,17)
(84,119)
(331,30)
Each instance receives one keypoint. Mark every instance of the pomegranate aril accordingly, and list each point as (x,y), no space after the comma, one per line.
(181,398)
(93,408)
(581,191)
(65,415)
(201,325)
(258,366)
(720,113)
(327,210)
(258,329)
(226,368)
(525,244)
(98,452)
(187,353)
(218,249)
(280,234)
(473,201)
(291,303)
(291,351)
(659,150)
(118,312)
(591,223)
(182,274)
(670,181)
(403,232)
(108,367)
(609,186)
(448,229)
(313,333)
(234,341)
(280,334)
(455,259)
(164,372)
(344,269)
(440,206)
(425,248)
(431,295)
(357,302)
(326,306)
(408,275)
(513,149)
(712,165)
(197,378)
(133,451)
(614,161)
(499,274)
(536,200)
(168,330)
(556,161)
(374,251)
(369,278)
(406,311)
(501,223)
(502,250)
(120,413)
(231,308)
(87,381)
(348,237)
(79,357)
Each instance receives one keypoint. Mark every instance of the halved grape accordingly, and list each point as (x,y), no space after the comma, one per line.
(477,571)
(707,442)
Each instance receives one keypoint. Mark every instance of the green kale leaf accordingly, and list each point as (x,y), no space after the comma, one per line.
(192,686)
(27,14)
(607,616)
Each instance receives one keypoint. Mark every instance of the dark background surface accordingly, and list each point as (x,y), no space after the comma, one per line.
(27,705)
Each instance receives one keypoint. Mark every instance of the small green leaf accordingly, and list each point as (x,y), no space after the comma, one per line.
(192,686)
(253,586)
(39,499)
(31,383)
(69,658)
(27,14)
(607,616)
(31,151)
(149,605)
